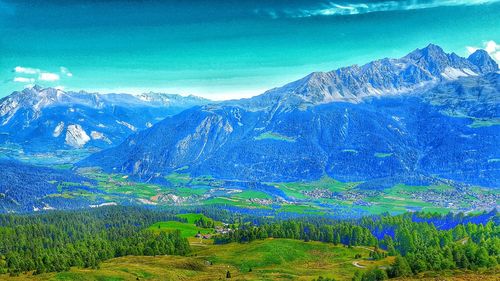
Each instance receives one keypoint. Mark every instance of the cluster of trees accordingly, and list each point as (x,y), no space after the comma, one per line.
(55,241)
(375,274)
(303,229)
(321,278)
(204,223)
(425,247)
(376,254)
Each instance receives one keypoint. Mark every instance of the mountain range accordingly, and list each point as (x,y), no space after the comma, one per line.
(424,116)
(59,126)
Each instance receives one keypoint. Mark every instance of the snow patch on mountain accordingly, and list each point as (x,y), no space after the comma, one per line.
(452,73)
(58,129)
(128,125)
(76,136)
(99,136)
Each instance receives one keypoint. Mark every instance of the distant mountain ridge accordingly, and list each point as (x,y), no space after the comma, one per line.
(46,120)
(420,68)
(428,114)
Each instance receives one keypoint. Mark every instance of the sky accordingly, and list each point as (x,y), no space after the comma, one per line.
(222,49)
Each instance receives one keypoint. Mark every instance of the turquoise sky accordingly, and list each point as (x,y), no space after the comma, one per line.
(221,49)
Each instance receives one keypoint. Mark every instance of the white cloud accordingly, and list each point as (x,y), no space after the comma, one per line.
(24,80)
(496,56)
(47,76)
(65,71)
(345,8)
(491,47)
(26,70)
(31,76)
(471,50)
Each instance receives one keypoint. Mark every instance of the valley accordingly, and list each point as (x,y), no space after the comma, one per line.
(385,170)
(325,196)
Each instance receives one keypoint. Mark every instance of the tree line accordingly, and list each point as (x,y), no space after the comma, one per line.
(56,241)
(302,229)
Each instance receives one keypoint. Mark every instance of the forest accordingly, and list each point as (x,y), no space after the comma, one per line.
(57,240)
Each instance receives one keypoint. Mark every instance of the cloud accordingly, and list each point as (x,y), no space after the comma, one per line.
(344,8)
(491,47)
(31,76)
(26,70)
(47,76)
(24,80)
(65,71)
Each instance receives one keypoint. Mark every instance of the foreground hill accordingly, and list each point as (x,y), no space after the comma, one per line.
(425,116)
(271,259)
(51,125)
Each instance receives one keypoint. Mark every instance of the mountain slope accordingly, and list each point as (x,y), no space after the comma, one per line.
(25,188)
(49,121)
(309,128)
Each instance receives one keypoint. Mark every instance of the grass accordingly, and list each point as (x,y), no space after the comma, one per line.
(382,155)
(458,275)
(249,194)
(276,259)
(270,259)
(274,136)
(188,229)
(192,217)
(478,123)
(295,189)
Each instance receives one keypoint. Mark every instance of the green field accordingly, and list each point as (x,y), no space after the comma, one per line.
(188,230)
(274,136)
(382,155)
(478,123)
(270,259)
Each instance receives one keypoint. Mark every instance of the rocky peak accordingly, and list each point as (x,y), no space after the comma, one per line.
(418,69)
(483,61)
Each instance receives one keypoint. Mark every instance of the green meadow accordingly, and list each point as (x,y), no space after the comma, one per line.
(270,259)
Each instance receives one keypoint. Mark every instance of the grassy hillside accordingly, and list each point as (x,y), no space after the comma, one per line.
(487,275)
(271,259)
(188,230)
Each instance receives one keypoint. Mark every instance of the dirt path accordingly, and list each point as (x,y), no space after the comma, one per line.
(356,264)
